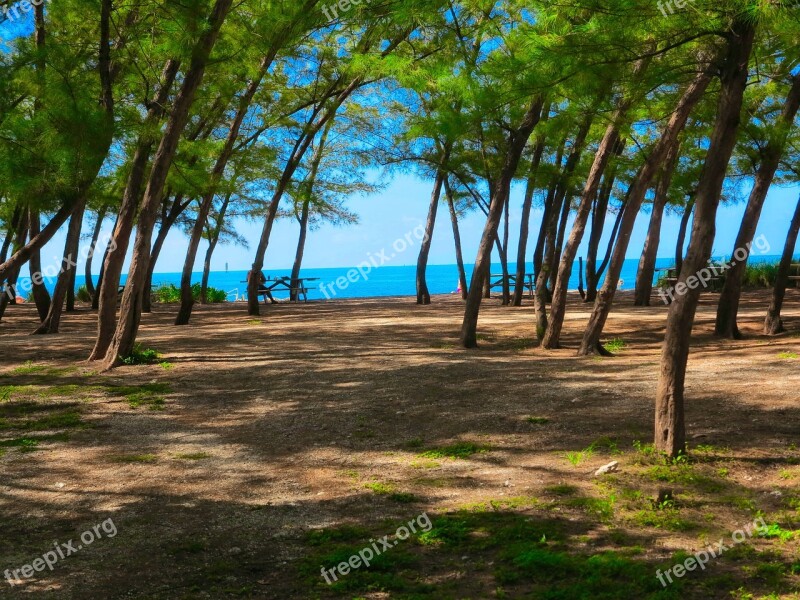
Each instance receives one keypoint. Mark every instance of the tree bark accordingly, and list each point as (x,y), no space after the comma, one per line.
(670,431)
(40,294)
(117,250)
(527,205)
(168,220)
(124,337)
(52,321)
(773,325)
(423,294)
(10,291)
(462,273)
(98,226)
(552,188)
(667,142)
(518,139)
(728,308)
(647,263)
(682,232)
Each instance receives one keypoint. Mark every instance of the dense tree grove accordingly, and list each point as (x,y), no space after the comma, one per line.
(157,114)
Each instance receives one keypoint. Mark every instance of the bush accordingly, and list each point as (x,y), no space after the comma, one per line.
(760,275)
(83,295)
(170,293)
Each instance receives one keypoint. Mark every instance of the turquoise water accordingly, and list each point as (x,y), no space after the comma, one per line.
(380,282)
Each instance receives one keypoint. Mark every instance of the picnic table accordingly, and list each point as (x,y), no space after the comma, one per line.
(285,284)
(794,274)
(498,281)
(671,278)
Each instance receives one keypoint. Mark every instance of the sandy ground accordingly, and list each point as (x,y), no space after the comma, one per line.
(319,415)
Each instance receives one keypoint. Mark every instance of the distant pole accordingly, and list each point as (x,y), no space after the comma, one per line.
(226,267)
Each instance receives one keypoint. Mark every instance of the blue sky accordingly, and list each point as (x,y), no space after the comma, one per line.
(403,205)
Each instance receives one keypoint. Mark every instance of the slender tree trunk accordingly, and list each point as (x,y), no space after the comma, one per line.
(647,263)
(552,336)
(98,226)
(96,297)
(668,142)
(524,227)
(683,230)
(423,294)
(518,139)
(118,245)
(301,246)
(40,294)
(538,253)
(462,273)
(130,310)
(70,304)
(566,208)
(10,290)
(728,308)
(52,321)
(670,431)
(13,224)
(168,220)
(213,239)
(773,325)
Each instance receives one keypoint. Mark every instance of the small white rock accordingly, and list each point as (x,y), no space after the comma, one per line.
(611,467)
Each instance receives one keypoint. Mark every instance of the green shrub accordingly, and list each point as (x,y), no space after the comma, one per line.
(760,275)
(167,293)
(82,294)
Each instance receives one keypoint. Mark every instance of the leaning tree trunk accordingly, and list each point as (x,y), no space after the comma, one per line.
(524,226)
(773,325)
(118,245)
(599,214)
(552,335)
(10,294)
(647,263)
(558,248)
(168,220)
(728,308)
(423,294)
(668,142)
(51,323)
(683,230)
(130,310)
(538,253)
(518,139)
(462,273)
(670,429)
(40,294)
(90,256)
(301,247)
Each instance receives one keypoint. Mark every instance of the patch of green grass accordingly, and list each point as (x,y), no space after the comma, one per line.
(167,366)
(615,346)
(459,450)
(141,356)
(486,337)
(380,488)
(29,369)
(193,456)
(666,518)
(579,456)
(63,419)
(538,420)
(148,395)
(135,458)
(414,444)
(146,399)
(424,464)
(788,355)
(254,322)
(562,489)
(403,497)
(774,530)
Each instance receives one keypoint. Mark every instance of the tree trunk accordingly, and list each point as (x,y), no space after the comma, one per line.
(599,213)
(90,256)
(668,142)
(52,322)
(524,226)
(728,308)
(682,231)
(538,253)
(462,273)
(423,294)
(213,239)
(670,432)
(10,291)
(130,310)
(187,301)
(168,220)
(773,325)
(558,306)
(40,294)
(647,263)
(96,297)
(566,208)
(301,246)
(518,139)
(70,305)
(118,245)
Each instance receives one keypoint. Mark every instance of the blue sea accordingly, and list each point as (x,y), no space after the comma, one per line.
(380,282)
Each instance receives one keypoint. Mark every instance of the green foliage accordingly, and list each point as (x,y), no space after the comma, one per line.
(142,356)
(82,295)
(169,293)
(459,450)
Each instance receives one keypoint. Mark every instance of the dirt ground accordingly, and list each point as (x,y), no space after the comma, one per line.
(255,452)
